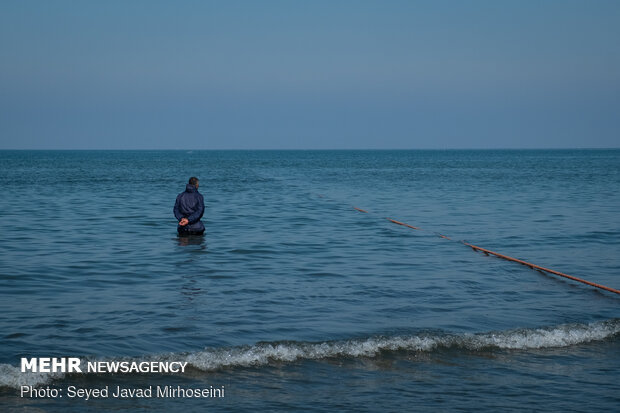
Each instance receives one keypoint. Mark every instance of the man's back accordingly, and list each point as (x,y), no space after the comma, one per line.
(188,209)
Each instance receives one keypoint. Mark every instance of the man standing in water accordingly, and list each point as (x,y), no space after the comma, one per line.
(188,209)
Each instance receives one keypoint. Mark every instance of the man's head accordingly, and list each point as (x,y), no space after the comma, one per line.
(194,181)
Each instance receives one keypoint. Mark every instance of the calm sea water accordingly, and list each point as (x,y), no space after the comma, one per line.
(296,301)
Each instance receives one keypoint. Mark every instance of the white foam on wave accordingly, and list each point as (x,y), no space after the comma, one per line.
(264,353)
(522,339)
(261,354)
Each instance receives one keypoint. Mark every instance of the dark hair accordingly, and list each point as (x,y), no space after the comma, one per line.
(193,180)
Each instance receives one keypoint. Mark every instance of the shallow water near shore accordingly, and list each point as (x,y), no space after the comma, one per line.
(294,300)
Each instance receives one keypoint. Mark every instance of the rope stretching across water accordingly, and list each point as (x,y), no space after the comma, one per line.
(506,257)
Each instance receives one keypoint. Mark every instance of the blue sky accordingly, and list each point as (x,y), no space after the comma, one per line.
(309,74)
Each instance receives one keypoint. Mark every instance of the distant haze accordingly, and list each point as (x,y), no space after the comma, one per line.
(309,74)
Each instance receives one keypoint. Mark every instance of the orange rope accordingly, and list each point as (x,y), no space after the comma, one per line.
(506,257)
(402,223)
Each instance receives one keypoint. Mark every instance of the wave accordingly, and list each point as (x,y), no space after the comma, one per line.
(265,353)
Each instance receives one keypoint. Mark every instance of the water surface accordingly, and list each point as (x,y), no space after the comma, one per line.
(296,301)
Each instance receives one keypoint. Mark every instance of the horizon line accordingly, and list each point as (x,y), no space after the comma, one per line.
(312,149)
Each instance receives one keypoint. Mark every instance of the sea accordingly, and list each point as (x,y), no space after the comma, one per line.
(294,300)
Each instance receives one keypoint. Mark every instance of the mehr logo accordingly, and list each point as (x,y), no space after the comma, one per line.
(51,365)
(72,365)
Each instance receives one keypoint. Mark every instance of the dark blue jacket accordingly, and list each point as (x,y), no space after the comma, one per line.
(191,205)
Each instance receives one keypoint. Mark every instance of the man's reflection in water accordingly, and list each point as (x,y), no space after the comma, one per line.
(185,240)
(190,288)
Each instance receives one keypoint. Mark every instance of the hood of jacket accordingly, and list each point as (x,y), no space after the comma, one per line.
(190,188)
